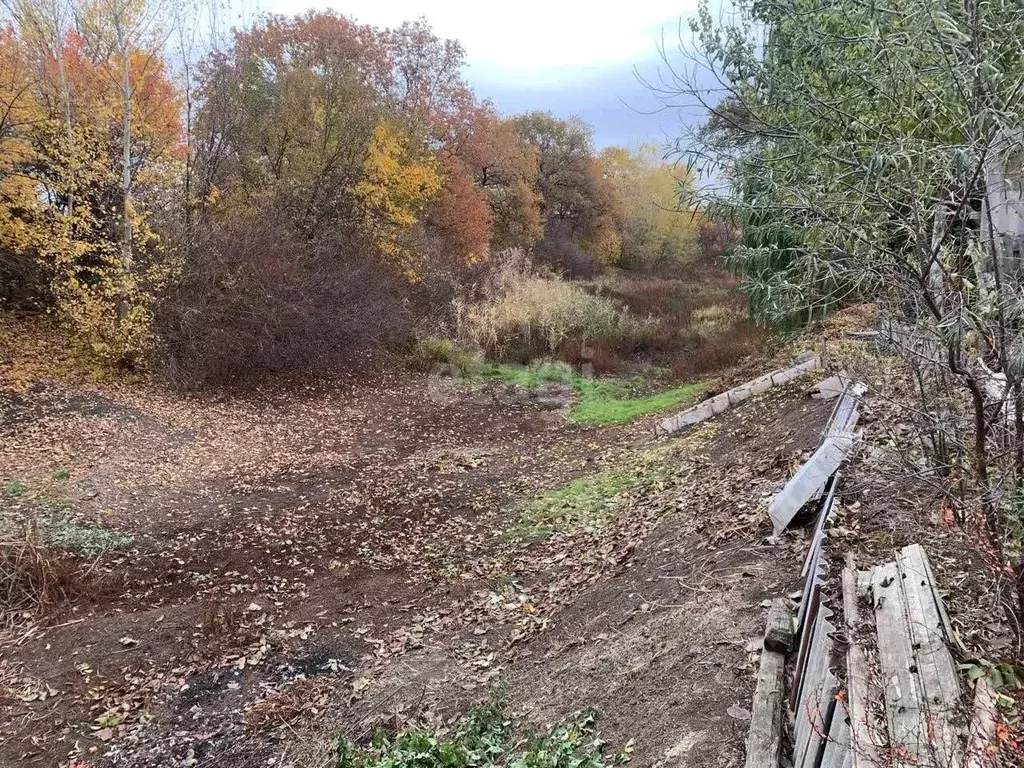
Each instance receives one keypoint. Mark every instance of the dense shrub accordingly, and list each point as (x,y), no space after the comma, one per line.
(535,315)
(257,301)
(561,252)
(703,325)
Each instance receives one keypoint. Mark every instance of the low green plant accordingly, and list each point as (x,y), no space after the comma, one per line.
(489,736)
(1003,675)
(61,474)
(15,488)
(85,540)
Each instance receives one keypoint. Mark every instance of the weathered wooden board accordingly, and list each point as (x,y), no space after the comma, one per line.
(904,708)
(865,733)
(764,740)
(808,479)
(935,670)
(778,634)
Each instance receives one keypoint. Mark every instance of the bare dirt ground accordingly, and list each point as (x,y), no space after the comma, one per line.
(353,557)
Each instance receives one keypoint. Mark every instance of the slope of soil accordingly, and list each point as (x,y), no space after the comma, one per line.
(353,558)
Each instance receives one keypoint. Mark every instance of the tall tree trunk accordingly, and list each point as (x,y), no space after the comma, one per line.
(126,171)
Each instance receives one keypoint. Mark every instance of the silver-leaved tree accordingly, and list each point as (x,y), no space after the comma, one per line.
(872,151)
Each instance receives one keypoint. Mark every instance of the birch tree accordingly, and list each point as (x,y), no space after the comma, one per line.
(118,31)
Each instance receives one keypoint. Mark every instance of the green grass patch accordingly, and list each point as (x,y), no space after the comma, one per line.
(598,402)
(525,376)
(585,503)
(589,502)
(489,736)
(601,409)
(15,488)
(85,540)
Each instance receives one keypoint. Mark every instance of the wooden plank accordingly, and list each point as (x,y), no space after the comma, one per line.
(779,634)
(864,728)
(935,670)
(837,752)
(904,710)
(947,626)
(817,695)
(764,740)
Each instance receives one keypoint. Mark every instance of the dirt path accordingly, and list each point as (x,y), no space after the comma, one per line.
(351,558)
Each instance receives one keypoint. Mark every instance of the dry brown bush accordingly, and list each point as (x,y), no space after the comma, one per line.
(714,238)
(34,579)
(559,251)
(255,301)
(702,325)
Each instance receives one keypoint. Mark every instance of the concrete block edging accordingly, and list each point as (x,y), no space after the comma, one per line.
(721,403)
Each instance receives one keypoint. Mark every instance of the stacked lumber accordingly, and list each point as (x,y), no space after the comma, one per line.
(911,675)
(899,703)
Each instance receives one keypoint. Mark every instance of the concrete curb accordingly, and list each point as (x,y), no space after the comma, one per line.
(719,403)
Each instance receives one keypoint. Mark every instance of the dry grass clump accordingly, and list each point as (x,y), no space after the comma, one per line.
(713,321)
(535,315)
(33,577)
(703,326)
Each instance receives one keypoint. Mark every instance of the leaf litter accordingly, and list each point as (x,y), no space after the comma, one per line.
(380,529)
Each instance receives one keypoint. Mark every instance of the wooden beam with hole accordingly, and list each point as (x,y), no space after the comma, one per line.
(935,669)
(920,685)
(764,739)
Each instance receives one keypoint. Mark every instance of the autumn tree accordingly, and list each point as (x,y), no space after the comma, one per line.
(505,167)
(657,230)
(580,206)
(64,180)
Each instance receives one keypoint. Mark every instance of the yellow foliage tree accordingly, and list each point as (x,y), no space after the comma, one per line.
(397,185)
(62,203)
(655,232)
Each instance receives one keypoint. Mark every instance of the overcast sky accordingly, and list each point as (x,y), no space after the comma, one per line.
(566,56)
